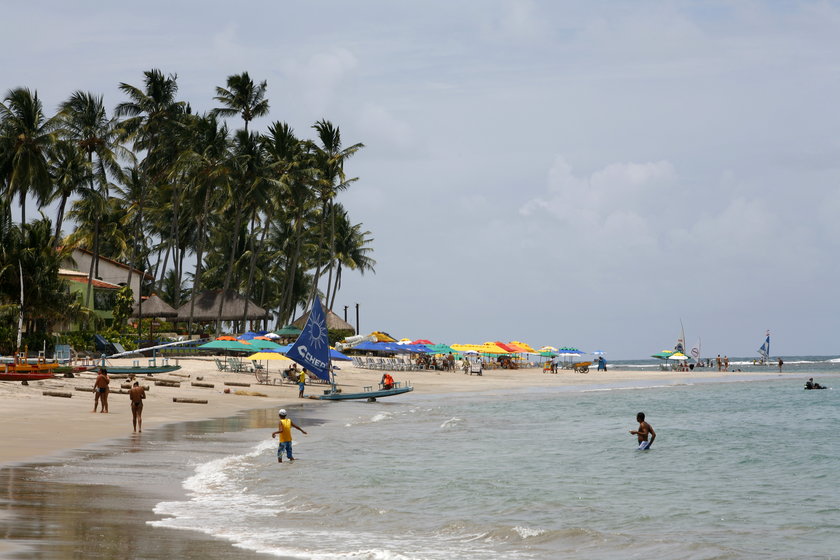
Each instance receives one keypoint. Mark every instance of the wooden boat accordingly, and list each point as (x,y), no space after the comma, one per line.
(369,394)
(21,369)
(141,370)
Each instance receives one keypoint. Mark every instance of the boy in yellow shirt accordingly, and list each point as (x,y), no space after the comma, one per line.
(285,431)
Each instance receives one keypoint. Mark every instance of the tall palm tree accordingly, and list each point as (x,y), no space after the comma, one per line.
(242,97)
(71,173)
(25,136)
(84,121)
(154,118)
(247,179)
(331,157)
(207,160)
(352,248)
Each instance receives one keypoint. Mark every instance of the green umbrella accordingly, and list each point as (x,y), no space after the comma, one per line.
(288,330)
(263,344)
(440,349)
(229,345)
(664,355)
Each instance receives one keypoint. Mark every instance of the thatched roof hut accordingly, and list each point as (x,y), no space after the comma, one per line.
(154,306)
(333,321)
(207,308)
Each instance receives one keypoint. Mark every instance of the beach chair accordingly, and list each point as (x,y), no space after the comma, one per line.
(263,378)
(220,365)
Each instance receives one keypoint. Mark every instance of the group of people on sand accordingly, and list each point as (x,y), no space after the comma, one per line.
(136,394)
(428,361)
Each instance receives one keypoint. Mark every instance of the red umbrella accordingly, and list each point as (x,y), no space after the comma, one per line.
(422,341)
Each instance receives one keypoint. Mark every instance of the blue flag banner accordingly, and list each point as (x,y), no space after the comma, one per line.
(312,348)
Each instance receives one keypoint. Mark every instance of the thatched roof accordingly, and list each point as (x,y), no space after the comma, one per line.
(207,308)
(333,321)
(153,306)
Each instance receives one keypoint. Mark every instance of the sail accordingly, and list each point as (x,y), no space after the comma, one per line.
(695,351)
(312,348)
(680,345)
(764,351)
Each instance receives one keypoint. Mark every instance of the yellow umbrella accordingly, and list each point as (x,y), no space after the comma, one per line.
(524,346)
(268,356)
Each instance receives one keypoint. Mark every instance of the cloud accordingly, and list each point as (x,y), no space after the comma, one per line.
(318,77)
(382,129)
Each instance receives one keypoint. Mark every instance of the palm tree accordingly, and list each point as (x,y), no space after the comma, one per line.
(154,120)
(25,136)
(207,161)
(352,248)
(85,122)
(247,178)
(70,173)
(242,97)
(330,158)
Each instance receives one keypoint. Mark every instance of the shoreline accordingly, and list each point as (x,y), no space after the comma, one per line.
(31,497)
(42,428)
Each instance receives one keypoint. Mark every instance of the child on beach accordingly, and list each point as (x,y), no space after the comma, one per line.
(285,430)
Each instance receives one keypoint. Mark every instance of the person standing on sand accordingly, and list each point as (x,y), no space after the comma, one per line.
(285,430)
(643,432)
(726,363)
(136,395)
(301,382)
(781,363)
(100,390)
(718,362)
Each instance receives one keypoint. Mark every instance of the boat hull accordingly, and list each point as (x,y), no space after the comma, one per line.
(142,370)
(365,395)
(21,376)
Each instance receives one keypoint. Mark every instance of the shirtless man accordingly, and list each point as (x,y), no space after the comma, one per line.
(136,394)
(642,433)
(100,390)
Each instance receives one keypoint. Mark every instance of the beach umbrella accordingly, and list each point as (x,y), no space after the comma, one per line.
(261,344)
(663,355)
(288,330)
(422,341)
(237,345)
(440,349)
(525,347)
(548,349)
(272,336)
(677,356)
(226,337)
(269,356)
(336,355)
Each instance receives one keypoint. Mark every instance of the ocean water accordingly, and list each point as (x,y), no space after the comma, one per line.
(745,468)
(738,470)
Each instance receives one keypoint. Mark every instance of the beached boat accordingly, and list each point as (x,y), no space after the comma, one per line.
(312,351)
(369,394)
(140,370)
(19,368)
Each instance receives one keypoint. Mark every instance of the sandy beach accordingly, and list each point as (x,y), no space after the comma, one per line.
(37,426)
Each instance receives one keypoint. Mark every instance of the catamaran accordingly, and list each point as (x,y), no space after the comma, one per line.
(312,351)
(764,351)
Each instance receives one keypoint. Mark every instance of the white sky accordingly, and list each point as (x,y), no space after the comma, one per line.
(565,173)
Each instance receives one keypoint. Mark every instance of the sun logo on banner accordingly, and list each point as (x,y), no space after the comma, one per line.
(318,332)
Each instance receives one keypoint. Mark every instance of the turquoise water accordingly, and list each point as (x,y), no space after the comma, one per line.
(739,470)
